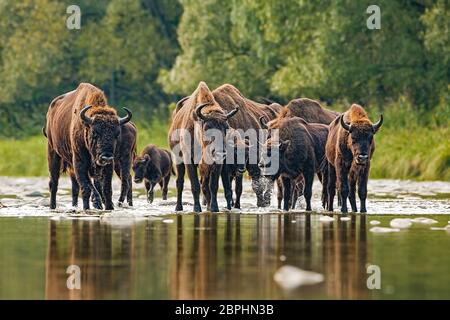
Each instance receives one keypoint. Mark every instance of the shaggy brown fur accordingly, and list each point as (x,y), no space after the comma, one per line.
(85,150)
(297,157)
(349,148)
(247,118)
(186,118)
(153,166)
(310,110)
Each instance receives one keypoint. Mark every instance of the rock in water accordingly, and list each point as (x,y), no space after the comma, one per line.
(422,220)
(326,219)
(290,277)
(401,223)
(383,230)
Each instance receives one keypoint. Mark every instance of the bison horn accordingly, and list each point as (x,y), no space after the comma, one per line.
(180,103)
(263,122)
(198,111)
(86,119)
(344,125)
(127,118)
(378,124)
(232,113)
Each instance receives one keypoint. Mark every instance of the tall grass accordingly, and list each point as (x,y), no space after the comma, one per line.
(410,145)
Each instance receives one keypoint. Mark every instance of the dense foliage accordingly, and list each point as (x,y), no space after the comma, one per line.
(147,53)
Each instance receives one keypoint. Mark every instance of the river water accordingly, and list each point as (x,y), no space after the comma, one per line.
(149,252)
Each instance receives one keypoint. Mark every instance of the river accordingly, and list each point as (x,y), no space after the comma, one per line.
(149,252)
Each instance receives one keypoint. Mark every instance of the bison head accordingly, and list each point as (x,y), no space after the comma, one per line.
(212,129)
(103,132)
(144,167)
(361,138)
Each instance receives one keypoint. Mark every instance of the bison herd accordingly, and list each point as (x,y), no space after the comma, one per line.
(214,136)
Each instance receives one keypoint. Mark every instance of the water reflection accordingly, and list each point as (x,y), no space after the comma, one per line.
(207,256)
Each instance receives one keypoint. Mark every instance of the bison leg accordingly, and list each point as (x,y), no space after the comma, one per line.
(362,188)
(123,171)
(286,192)
(352,192)
(238,187)
(180,184)
(342,178)
(331,186)
(195,186)
(257,186)
(130,191)
(107,186)
(323,177)
(54,168)
(268,192)
(280,192)
(75,190)
(165,186)
(149,186)
(226,182)
(307,192)
(214,187)
(82,174)
(206,192)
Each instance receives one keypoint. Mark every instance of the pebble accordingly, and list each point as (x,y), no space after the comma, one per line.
(400,223)
(383,230)
(290,277)
(326,219)
(422,220)
(374,222)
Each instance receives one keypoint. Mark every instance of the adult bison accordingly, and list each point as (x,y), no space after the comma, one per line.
(310,110)
(83,132)
(349,149)
(318,136)
(197,137)
(295,151)
(247,123)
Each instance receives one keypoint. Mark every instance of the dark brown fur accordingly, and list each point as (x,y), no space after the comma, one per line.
(185,118)
(297,157)
(310,110)
(153,166)
(247,118)
(348,154)
(78,147)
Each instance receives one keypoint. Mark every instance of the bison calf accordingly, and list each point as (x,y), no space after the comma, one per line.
(153,166)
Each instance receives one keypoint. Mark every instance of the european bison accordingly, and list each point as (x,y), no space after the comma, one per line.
(318,134)
(310,110)
(193,138)
(247,122)
(153,166)
(294,149)
(349,148)
(83,132)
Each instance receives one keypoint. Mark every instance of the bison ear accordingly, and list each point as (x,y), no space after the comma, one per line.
(285,144)
(146,158)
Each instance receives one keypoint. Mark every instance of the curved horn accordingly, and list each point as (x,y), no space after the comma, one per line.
(345,125)
(127,118)
(378,124)
(198,111)
(180,103)
(86,119)
(263,122)
(232,113)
